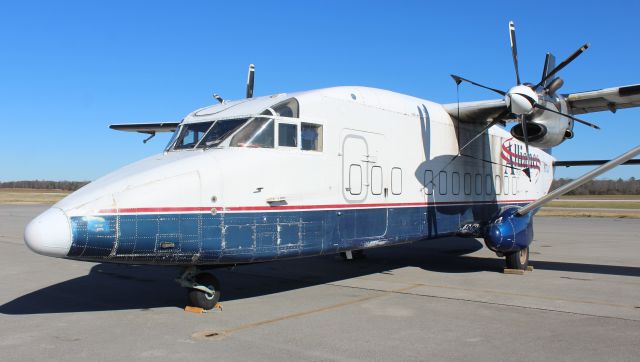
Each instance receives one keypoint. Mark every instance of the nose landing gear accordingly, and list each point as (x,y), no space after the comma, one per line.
(203,288)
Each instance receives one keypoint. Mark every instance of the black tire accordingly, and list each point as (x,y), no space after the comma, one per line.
(518,260)
(206,301)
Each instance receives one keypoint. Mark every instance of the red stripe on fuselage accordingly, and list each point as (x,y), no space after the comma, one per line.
(140,210)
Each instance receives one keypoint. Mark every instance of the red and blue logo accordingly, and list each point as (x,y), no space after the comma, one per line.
(514,154)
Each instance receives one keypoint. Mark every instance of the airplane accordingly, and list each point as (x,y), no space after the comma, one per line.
(329,171)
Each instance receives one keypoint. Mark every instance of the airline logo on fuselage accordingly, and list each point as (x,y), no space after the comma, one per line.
(515,156)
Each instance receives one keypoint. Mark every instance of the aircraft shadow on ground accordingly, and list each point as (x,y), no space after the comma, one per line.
(110,287)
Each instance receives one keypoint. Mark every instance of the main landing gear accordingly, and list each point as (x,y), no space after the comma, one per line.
(203,288)
(518,260)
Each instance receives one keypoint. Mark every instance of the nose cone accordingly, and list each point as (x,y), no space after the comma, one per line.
(49,233)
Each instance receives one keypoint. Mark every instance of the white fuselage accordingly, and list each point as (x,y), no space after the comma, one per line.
(382,153)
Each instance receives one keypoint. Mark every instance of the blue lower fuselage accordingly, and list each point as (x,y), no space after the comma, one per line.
(206,238)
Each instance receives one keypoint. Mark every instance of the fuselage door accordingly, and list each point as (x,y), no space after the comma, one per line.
(355,167)
(361,163)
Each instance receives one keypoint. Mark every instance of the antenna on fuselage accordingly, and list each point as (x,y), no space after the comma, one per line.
(252,70)
(217,97)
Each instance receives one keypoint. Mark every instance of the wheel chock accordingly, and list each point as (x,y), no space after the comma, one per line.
(517,271)
(513,271)
(196,310)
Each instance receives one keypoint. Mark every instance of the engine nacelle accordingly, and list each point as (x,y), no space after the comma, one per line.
(509,232)
(546,129)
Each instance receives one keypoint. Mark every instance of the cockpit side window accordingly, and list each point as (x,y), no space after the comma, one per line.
(311,135)
(288,108)
(258,133)
(287,135)
(191,134)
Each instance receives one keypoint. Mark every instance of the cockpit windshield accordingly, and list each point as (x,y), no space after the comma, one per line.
(219,132)
(190,134)
(257,131)
(205,134)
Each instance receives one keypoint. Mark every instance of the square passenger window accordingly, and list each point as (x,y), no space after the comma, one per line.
(288,135)
(311,136)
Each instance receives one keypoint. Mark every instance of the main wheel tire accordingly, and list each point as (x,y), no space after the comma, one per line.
(518,260)
(201,299)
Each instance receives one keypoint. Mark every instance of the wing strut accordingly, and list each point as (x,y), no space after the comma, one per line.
(580,181)
(590,163)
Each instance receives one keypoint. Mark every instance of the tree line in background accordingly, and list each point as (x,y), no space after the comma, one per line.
(602,187)
(44,185)
(596,187)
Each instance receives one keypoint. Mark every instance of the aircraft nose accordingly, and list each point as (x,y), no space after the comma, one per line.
(49,233)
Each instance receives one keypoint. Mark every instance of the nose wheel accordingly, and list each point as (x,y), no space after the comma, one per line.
(518,260)
(203,288)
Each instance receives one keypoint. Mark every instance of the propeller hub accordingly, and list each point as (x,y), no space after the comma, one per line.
(521,99)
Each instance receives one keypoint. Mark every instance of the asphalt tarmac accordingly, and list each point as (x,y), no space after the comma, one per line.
(432,300)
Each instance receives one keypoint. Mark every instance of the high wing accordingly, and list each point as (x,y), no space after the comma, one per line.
(480,112)
(604,99)
(148,128)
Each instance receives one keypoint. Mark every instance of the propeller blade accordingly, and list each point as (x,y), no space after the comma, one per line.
(459,80)
(495,121)
(252,70)
(514,49)
(523,123)
(549,64)
(564,64)
(538,105)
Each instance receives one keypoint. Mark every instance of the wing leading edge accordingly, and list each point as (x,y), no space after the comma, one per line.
(610,99)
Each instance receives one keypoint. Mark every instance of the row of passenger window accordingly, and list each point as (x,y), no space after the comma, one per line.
(470,184)
(376,184)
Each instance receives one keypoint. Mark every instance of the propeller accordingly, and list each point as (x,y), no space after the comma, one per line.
(252,70)
(523,99)
(514,49)
(250,82)
(523,122)
(540,106)
(549,64)
(566,62)
(459,80)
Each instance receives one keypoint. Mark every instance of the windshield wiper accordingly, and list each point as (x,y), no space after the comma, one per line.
(204,137)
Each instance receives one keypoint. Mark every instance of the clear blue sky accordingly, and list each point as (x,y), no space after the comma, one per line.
(70,68)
